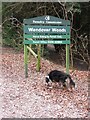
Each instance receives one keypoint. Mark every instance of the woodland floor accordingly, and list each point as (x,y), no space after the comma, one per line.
(29,97)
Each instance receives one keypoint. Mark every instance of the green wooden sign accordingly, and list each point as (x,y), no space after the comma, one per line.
(46,30)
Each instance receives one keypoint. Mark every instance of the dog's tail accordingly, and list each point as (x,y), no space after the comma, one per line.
(71,81)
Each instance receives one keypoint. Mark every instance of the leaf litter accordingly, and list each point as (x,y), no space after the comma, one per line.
(30,97)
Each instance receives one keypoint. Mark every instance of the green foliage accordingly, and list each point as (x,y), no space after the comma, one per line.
(12,35)
(73,7)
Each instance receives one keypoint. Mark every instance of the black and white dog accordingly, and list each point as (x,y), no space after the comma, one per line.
(60,77)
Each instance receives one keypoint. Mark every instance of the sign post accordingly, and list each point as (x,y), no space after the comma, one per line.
(25,60)
(45,30)
(67,58)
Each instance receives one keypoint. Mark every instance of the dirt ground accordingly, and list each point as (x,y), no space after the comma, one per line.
(30,97)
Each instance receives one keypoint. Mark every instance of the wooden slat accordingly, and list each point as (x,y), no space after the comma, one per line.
(47,36)
(47,42)
(46,20)
(46,29)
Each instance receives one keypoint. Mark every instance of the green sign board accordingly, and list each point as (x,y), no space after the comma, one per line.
(46,30)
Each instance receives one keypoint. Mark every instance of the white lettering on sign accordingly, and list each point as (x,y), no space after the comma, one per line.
(47,36)
(47,22)
(53,22)
(58,42)
(58,30)
(36,42)
(38,30)
(38,22)
(51,42)
(47,18)
(46,30)
(44,42)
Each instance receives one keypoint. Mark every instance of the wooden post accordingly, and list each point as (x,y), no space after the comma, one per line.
(30,46)
(39,58)
(42,50)
(67,58)
(25,61)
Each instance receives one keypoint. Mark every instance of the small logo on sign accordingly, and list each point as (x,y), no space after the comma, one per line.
(47,18)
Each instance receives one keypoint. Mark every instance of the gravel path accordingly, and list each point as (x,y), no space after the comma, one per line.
(30,97)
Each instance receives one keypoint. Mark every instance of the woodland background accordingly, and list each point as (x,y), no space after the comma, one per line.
(13,14)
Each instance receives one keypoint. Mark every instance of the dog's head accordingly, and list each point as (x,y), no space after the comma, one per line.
(47,79)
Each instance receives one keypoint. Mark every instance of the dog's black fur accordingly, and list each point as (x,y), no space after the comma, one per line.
(60,77)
